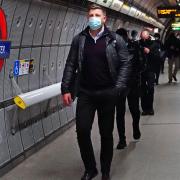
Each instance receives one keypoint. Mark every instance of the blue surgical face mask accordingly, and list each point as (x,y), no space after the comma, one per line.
(95,23)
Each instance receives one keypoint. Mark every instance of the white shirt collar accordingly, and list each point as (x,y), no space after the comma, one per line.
(98,35)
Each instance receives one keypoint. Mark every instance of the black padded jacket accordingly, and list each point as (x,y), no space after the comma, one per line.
(117,56)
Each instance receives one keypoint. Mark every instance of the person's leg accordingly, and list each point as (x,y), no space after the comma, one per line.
(157,73)
(120,121)
(106,112)
(150,96)
(84,119)
(133,102)
(144,93)
(176,59)
(170,63)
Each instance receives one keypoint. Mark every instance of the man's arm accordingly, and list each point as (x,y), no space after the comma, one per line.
(124,72)
(69,72)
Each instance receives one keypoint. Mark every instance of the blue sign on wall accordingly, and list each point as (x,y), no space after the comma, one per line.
(16,68)
(5,47)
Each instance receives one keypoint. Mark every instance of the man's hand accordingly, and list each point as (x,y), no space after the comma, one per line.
(146,50)
(67,100)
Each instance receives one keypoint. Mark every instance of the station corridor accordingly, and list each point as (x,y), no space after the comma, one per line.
(155,157)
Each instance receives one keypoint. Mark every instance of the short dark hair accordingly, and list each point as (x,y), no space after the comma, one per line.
(96,6)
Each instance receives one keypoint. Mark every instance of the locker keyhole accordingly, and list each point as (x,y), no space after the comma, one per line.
(58,26)
(31,22)
(50,24)
(41,24)
(18,23)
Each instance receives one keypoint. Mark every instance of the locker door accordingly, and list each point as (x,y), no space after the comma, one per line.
(14,141)
(47,122)
(9,9)
(52,75)
(24,115)
(66,26)
(80,23)
(73,23)
(30,24)
(50,25)
(59,24)
(34,84)
(19,21)
(4,156)
(41,24)
(63,117)
(8,89)
(60,63)
(1,84)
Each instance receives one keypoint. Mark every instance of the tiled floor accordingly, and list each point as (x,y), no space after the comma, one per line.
(155,157)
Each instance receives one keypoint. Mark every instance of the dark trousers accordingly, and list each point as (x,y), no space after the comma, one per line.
(147,91)
(87,105)
(133,103)
(157,72)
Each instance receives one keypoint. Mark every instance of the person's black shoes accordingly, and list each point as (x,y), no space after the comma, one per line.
(121,145)
(174,77)
(146,113)
(151,113)
(105,177)
(136,134)
(89,175)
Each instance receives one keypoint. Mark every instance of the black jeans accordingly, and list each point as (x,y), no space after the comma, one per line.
(133,102)
(147,90)
(87,105)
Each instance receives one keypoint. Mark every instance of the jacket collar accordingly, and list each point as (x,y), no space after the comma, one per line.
(106,33)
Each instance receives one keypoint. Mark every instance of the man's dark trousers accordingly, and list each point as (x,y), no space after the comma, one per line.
(87,105)
(133,102)
(147,90)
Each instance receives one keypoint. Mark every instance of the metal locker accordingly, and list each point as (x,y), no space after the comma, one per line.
(24,115)
(8,88)
(23,80)
(44,81)
(52,75)
(1,84)
(30,24)
(19,21)
(34,84)
(4,150)
(69,112)
(80,23)
(72,27)
(44,63)
(50,25)
(26,131)
(66,26)
(60,63)
(63,117)
(9,7)
(59,24)
(14,141)
(41,23)
(52,63)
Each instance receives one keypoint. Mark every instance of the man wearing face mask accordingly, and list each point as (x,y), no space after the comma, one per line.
(103,71)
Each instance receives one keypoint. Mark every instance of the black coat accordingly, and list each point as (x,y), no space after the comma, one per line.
(117,57)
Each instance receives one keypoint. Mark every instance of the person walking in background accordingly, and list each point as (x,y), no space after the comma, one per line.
(99,57)
(133,94)
(159,57)
(172,46)
(149,51)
